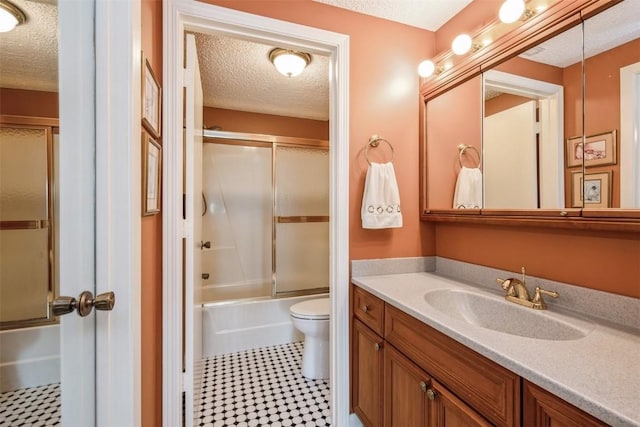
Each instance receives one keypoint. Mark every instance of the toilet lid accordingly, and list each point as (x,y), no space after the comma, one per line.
(318,308)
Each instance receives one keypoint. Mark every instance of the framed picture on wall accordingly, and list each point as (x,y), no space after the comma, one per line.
(593,190)
(598,150)
(151,100)
(151,174)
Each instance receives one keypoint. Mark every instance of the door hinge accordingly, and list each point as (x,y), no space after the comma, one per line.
(184,382)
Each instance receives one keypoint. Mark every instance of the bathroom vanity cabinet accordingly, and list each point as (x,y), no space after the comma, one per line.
(405,373)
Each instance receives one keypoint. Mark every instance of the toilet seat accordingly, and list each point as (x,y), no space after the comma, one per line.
(313,309)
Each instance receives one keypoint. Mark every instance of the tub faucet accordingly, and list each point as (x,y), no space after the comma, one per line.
(517,292)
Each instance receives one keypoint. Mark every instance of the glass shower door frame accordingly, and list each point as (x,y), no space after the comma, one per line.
(50,126)
(293,219)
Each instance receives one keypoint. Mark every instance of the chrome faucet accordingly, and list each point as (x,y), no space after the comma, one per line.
(517,292)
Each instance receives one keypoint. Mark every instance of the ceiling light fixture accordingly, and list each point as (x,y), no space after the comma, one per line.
(10,16)
(511,11)
(289,62)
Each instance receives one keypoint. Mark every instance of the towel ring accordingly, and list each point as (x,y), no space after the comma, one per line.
(464,147)
(374,141)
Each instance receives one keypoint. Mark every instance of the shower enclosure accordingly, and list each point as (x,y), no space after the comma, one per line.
(29,333)
(265,216)
(265,237)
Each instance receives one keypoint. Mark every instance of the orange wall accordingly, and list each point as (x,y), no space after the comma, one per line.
(151,35)
(28,103)
(607,261)
(470,19)
(240,121)
(384,88)
(502,103)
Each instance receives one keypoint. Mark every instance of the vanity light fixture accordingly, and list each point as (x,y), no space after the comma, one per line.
(511,11)
(426,68)
(289,62)
(461,44)
(10,16)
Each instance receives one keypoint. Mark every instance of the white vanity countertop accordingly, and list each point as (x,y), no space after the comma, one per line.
(599,373)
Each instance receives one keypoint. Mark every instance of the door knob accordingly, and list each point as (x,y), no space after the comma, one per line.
(205,245)
(84,304)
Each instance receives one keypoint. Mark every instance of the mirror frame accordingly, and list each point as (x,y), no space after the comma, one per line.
(552,21)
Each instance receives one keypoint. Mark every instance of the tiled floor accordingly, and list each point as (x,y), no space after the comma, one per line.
(37,406)
(262,387)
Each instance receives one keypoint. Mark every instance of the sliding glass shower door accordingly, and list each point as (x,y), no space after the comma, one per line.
(265,225)
(301,221)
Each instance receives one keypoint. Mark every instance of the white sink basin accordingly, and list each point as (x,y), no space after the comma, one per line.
(497,314)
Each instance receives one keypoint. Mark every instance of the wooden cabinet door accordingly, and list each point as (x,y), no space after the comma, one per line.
(405,386)
(449,411)
(544,409)
(366,375)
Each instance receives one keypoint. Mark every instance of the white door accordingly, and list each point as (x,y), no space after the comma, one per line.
(76,204)
(99,220)
(509,158)
(194,207)
(96,223)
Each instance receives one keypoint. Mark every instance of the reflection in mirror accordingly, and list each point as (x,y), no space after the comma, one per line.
(533,102)
(612,108)
(29,140)
(522,141)
(451,119)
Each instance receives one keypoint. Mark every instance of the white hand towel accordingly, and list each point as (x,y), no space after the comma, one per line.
(468,194)
(381,198)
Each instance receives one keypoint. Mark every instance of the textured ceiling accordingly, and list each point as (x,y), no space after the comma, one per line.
(613,27)
(237,75)
(427,14)
(29,58)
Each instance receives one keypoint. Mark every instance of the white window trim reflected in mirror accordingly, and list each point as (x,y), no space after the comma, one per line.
(630,136)
(551,129)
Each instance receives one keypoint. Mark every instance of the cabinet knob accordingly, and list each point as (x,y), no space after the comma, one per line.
(365,308)
(431,394)
(423,386)
(377,346)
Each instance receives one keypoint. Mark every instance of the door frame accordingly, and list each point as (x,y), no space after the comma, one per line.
(194,15)
(551,181)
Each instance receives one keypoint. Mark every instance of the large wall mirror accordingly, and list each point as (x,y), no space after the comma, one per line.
(522,139)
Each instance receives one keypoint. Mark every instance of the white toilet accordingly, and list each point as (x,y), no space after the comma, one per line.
(311,317)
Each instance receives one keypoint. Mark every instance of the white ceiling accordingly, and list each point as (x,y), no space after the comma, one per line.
(237,74)
(29,58)
(613,27)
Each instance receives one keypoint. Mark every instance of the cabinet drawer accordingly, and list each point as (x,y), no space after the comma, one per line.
(369,309)
(487,387)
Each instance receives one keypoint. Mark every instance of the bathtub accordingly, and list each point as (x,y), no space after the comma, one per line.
(230,327)
(29,357)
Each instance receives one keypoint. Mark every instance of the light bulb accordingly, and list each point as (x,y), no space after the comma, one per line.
(289,65)
(426,68)
(511,10)
(7,21)
(461,44)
